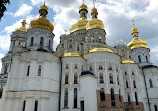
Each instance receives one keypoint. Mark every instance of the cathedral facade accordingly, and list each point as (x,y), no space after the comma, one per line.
(83,74)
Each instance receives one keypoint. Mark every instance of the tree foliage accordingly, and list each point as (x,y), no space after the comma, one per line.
(3,8)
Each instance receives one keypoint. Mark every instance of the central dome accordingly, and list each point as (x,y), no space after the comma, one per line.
(42,22)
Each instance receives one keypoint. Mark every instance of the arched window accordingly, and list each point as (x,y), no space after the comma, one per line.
(110,67)
(41,41)
(70,45)
(139,58)
(125,73)
(126,84)
(136,98)
(100,67)
(119,95)
(49,44)
(155,107)
(32,41)
(66,78)
(67,66)
(39,70)
(101,78)
(112,97)
(132,73)
(28,70)
(111,79)
(36,106)
(75,66)
(134,84)
(75,79)
(66,98)
(151,83)
(62,45)
(75,98)
(118,80)
(147,59)
(78,48)
(90,68)
(24,104)
(102,94)
(128,96)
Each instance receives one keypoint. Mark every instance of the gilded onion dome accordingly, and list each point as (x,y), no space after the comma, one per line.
(95,22)
(101,50)
(81,24)
(42,22)
(136,42)
(23,27)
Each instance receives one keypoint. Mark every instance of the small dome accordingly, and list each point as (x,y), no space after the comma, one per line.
(134,30)
(94,10)
(101,50)
(94,23)
(83,6)
(71,54)
(42,22)
(22,28)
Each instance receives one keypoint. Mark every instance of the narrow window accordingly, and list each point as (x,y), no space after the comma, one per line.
(82,105)
(155,107)
(139,58)
(28,70)
(128,96)
(151,83)
(126,84)
(5,69)
(75,98)
(24,103)
(110,68)
(36,106)
(112,97)
(136,98)
(70,46)
(75,79)
(111,79)
(90,68)
(118,80)
(78,48)
(102,94)
(66,98)
(125,73)
(134,84)
(49,44)
(147,59)
(66,79)
(75,66)
(41,41)
(119,95)
(39,70)
(132,73)
(101,78)
(100,67)
(62,45)
(32,41)
(67,66)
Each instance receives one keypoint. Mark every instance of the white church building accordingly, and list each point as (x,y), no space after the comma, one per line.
(83,74)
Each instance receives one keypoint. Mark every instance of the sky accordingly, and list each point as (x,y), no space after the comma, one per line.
(115,14)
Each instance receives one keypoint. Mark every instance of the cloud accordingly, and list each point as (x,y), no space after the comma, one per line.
(23,10)
(4,42)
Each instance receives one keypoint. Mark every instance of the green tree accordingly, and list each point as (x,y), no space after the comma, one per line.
(3,8)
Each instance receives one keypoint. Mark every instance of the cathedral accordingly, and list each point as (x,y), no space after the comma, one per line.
(82,74)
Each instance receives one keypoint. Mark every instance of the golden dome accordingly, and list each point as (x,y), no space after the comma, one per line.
(42,22)
(94,10)
(23,27)
(71,54)
(101,50)
(137,43)
(80,25)
(94,23)
(127,61)
(83,6)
